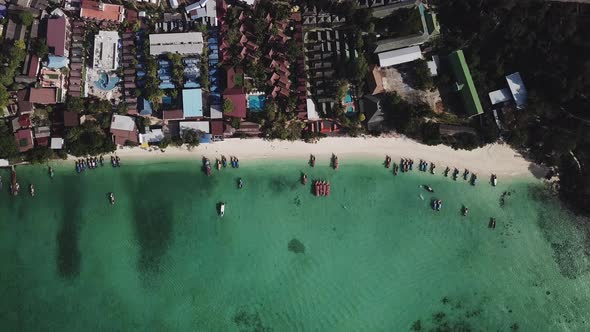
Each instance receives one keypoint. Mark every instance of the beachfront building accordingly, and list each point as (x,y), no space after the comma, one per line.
(188,43)
(192,103)
(42,96)
(123,130)
(99,11)
(101,79)
(237,98)
(464,84)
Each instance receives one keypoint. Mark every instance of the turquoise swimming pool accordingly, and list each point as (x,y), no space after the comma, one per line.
(106,82)
(256,103)
(348,98)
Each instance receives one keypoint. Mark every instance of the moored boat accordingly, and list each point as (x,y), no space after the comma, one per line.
(32,190)
(465,174)
(240,183)
(464,211)
(223,161)
(303,178)
(494,180)
(316,187)
(50,170)
(101,160)
(206,166)
(327,188)
(473,179)
(428,188)
(112,198)
(335,161)
(387,161)
(14,186)
(312,160)
(447,170)
(218,164)
(221,209)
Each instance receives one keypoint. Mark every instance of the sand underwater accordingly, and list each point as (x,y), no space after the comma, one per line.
(371,257)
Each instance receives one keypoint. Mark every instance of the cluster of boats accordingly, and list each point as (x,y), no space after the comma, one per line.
(405,165)
(455,175)
(492,223)
(333,161)
(321,188)
(90,163)
(436,204)
(234,162)
(423,166)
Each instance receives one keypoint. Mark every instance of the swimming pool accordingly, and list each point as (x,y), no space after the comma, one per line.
(348,98)
(256,102)
(106,82)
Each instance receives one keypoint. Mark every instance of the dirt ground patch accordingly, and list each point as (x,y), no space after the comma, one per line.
(393,81)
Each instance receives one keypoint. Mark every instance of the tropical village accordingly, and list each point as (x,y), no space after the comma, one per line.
(85,78)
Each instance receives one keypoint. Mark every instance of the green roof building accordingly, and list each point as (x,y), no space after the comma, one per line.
(465,84)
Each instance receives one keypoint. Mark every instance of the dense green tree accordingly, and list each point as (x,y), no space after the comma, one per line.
(228,106)
(26,18)
(39,47)
(191,137)
(88,139)
(8,149)
(4,96)
(75,104)
(422,77)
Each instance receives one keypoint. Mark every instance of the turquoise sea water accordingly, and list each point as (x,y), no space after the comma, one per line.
(376,257)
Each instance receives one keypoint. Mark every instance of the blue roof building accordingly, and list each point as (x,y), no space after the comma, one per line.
(192,103)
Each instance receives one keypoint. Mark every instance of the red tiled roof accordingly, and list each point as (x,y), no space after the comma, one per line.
(101,11)
(238,98)
(173,115)
(24,139)
(42,141)
(43,95)
(56,35)
(122,136)
(24,121)
(216,128)
(71,119)
(33,66)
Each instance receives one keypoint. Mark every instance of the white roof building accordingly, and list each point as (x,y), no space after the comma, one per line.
(151,136)
(174,4)
(203,9)
(181,43)
(106,54)
(122,122)
(399,56)
(500,96)
(517,88)
(57,143)
(202,126)
(215,112)
(312,113)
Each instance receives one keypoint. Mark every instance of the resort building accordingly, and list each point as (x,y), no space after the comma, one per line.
(99,11)
(192,102)
(464,83)
(181,43)
(106,53)
(43,96)
(205,10)
(500,96)
(24,139)
(58,36)
(399,56)
(237,97)
(124,130)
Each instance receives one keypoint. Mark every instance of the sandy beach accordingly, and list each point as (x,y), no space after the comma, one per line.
(496,158)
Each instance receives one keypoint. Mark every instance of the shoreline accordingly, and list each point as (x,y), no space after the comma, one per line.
(498,159)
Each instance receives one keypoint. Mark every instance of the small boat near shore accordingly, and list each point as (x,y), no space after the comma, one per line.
(221,209)
(14,186)
(303,178)
(464,211)
(492,223)
(223,161)
(206,166)
(312,160)
(436,204)
(387,161)
(428,188)
(50,171)
(32,190)
(240,183)
(494,180)
(112,198)
(334,161)
(446,172)
(473,180)
(218,164)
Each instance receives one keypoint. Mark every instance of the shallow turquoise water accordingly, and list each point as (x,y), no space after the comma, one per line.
(376,258)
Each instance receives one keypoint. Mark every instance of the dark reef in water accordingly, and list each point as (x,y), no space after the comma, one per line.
(572,257)
(249,322)
(153,228)
(296,246)
(453,319)
(68,258)
(279,184)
